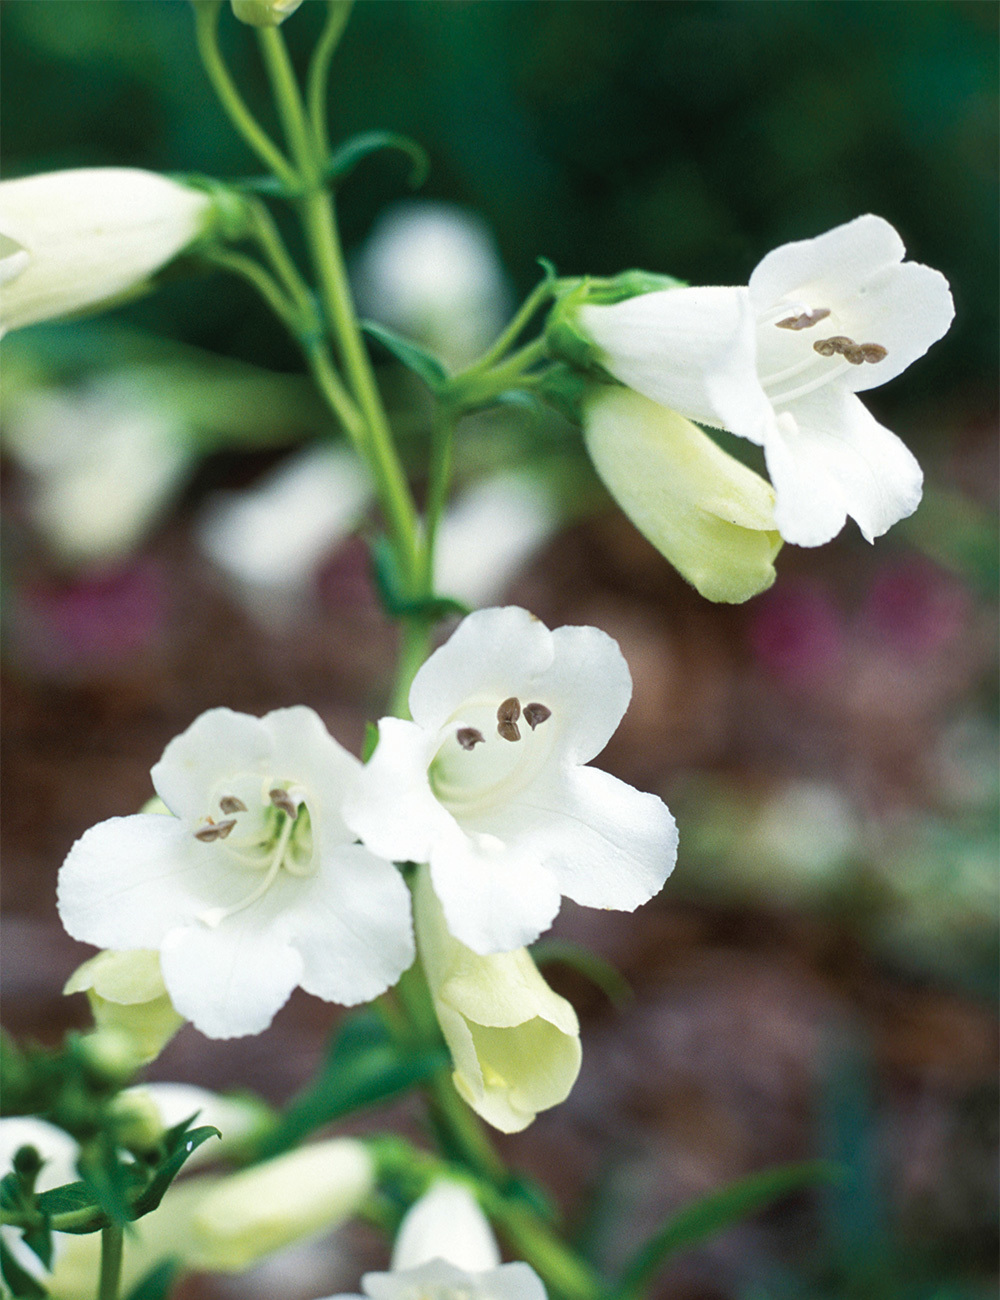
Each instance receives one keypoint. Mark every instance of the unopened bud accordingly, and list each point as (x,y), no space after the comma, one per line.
(264,13)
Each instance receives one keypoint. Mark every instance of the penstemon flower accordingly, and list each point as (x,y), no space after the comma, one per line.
(126,992)
(76,239)
(254,886)
(780,361)
(515,1044)
(446,1249)
(488,783)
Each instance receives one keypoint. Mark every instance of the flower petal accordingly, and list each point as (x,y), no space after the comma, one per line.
(838,263)
(305,752)
(352,926)
(446,1224)
(496,895)
(836,461)
(217,743)
(392,807)
(587,687)
(692,350)
(492,654)
(231,980)
(126,882)
(606,844)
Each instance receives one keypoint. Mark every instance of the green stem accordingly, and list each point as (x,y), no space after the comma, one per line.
(506,340)
(206,17)
(532,1240)
(475,387)
(112,1245)
(415,643)
(438,484)
(317,211)
(265,284)
(338,12)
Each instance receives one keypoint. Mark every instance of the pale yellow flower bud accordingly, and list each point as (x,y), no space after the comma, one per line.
(514,1043)
(709,515)
(76,239)
(264,13)
(127,994)
(250,1214)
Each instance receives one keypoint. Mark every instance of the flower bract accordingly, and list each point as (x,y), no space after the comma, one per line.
(780,362)
(488,782)
(254,885)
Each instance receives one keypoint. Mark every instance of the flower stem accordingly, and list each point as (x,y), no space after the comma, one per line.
(507,339)
(206,17)
(438,484)
(338,12)
(480,387)
(112,1245)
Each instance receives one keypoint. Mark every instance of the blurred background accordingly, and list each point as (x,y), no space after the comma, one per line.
(819,975)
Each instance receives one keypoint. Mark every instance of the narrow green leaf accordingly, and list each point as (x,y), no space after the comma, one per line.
(370,742)
(21,1284)
(588,964)
(168,1169)
(39,1241)
(346,156)
(363,1067)
(156,1284)
(415,358)
(718,1211)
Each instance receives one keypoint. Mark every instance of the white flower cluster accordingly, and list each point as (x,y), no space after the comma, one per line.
(257,882)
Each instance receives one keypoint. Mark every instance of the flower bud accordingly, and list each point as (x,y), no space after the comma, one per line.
(138,1124)
(709,515)
(264,13)
(127,996)
(250,1214)
(446,1223)
(514,1043)
(72,240)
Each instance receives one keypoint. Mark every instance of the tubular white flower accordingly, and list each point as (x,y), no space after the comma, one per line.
(254,886)
(779,362)
(81,238)
(126,992)
(446,1249)
(487,784)
(514,1043)
(710,516)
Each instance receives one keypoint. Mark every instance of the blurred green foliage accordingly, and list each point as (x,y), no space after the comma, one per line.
(683,137)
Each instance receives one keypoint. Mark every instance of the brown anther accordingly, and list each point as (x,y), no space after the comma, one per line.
(214,831)
(507,716)
(536,713)
(230,804)
(469,737)
(805,321)
(854,354)
(874,352)
(283,801)
(830,347)
(509,730)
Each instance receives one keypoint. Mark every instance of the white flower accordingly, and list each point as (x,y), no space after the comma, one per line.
(710,516)
(254,886)
(432,271)
(487,784)
(445,1250)
(102,462)
(514,1043)
(76,239)
(779,362)
(126,993)
(272,537)
(490,534)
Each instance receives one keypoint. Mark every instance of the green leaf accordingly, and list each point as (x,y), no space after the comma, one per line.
(346,156)
(370,743)
(716,1212)
(363,1067)
(186,1144)
(588,964)
(156,1284)
(21,1284)
(415,358)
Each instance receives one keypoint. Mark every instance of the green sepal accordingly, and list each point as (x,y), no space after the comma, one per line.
(415,358)
(157,1283)
(628,284)
(370,742)
(17,1197)
(391,590)
(363,1066)
(714,1213)
(563,387)
(586,963)
(22,1285)
(142,1195)
(346,156)
(232,219)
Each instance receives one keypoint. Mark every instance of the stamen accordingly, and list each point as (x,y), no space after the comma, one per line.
(284,801)
(507,716)
(215,830)
(833,346)
(536,713)
(805,321)
(469,737)
(853,352)
(214,916)
(230,804)
(874,352)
